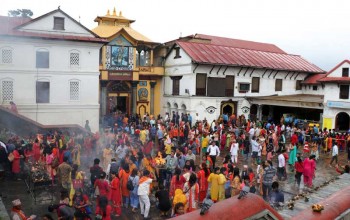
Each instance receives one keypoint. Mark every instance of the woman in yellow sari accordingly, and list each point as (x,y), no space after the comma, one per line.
(76,154)
(213,180)
(222,181)
(107,156)
(235,182)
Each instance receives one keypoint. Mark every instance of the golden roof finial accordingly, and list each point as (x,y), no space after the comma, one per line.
(114,12)
(107,13)
(120,13)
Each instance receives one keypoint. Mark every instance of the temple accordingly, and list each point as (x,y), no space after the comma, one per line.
(131,68)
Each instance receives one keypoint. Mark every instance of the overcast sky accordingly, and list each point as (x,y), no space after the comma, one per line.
(318,30)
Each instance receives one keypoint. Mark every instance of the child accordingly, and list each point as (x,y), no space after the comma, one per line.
(314,150)
(179,198)
(179,209)
(306,149)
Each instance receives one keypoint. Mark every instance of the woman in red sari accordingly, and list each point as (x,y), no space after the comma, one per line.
(203,175)
(16,166)
(102,186)
(116,195)
(309,170)
(177,182)
(36,150)
(124,174)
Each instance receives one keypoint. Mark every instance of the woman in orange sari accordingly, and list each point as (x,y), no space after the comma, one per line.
(203,175)
(116,197)
(124,174)
(147,163)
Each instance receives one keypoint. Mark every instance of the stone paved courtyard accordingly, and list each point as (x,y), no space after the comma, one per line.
(17,189)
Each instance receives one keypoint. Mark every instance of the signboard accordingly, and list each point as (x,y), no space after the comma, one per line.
(120,75)
(334,104)
(327,123)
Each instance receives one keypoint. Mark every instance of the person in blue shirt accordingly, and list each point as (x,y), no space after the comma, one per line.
(225,118)
(189,118)
(276,197)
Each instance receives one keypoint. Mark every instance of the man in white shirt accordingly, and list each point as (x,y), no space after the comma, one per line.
(213,151)
(281,166)
(143,192)
(255,149)
(234,151)
(251,133)
(334,154)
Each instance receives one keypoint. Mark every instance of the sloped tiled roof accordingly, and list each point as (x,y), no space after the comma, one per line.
(335,79)
(210,53)
(9,27)
(105,31)
(318,78)
(314,79)
(244,44)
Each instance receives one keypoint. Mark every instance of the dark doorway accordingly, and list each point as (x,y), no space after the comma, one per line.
(227,110)
(228,107)
(342,121)
(253,112)
(121,104)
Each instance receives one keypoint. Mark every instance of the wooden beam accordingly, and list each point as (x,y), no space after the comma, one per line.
(211,69)
(291,76)
(239,71)
(217,73)
(252,72)
(276,74)
(270,74)
(246,71)
(225,70)
(287,75)
(264,73)
(296,76)
(195,68)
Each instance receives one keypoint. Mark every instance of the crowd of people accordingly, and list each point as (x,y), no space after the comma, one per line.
(174,162)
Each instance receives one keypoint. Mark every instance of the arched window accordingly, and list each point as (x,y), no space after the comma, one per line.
(6,55)
(74,58)
(74,90)
(42,91)
(7,90)
(42,58)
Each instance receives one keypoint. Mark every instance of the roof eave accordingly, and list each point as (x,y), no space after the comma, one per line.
(257,67)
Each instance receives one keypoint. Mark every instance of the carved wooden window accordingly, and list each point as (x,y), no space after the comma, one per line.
(230,81)
(58,23)
(255,84)
(345,72)
(298,85)
(278,85)
(201,84)
(344,92)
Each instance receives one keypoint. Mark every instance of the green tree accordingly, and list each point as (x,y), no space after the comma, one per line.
(25,13)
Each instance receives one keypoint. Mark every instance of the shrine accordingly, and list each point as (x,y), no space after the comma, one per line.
(131,68)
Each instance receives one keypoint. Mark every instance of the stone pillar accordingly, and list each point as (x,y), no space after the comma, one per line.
(134,96)
(153,84)
(103,98)
(259,113)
